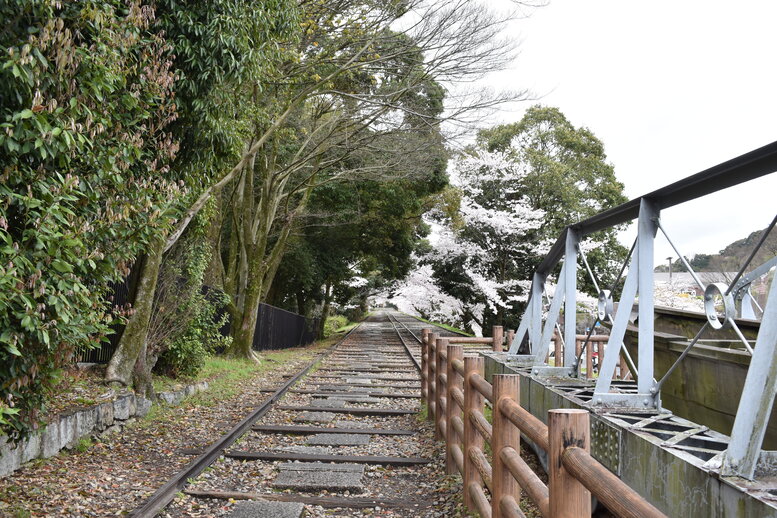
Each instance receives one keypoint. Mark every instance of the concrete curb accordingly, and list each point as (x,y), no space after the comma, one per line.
(67,429)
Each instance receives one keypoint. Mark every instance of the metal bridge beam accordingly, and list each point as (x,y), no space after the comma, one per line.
(570,296)
(755,405)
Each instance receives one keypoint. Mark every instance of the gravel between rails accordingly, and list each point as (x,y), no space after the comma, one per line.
(117,473)
(425,488)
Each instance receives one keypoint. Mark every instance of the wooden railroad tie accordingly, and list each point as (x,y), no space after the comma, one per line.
(303,430)
(354,411)
(351,502)
(312,457)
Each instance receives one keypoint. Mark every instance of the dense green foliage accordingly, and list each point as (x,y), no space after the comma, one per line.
(221,50)
(222,53)
(225,153)
(86,96)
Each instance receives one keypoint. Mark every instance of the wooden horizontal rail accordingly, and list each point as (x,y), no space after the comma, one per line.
(529,425)
(480,462)
(458,425)
(482,425)
(480,384)
(458,396)
(458,366)
(616,495)
(443,405)
(458,457)
(510,508)
(527,479)
(443,354)
(469,340)
(443,378)
(479,499)
(593,338)
(443,429)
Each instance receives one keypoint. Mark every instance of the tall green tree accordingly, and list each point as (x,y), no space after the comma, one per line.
(221,53)
(357,85)
(519,186)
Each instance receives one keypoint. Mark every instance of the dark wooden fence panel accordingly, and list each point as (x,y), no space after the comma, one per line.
(277,328)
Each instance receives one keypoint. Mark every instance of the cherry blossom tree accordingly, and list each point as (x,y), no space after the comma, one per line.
(476,264)
(513,193)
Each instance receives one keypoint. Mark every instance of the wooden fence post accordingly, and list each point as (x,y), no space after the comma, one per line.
(498,335)
(568,497)
(473,401)
(559,360)
(506,386)
(589,360)
(430,375)
(600,357)
(509,337)
(624,369)
(455,352)
(440,390)
(424,361)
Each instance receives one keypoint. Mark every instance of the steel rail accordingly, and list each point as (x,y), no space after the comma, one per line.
(393,321)
(459,333)
(165,494)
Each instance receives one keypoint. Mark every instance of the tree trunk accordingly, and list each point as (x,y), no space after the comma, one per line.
(325,310)
(214,274)
(141,375)
(133,340)
(244,326)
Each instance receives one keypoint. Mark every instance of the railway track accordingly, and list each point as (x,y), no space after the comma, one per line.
(340,436)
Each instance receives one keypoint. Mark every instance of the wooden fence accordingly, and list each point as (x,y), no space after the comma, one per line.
(456,392)
(595,347)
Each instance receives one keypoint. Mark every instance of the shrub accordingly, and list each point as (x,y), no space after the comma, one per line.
(86,93)
(186,355)
(334,323)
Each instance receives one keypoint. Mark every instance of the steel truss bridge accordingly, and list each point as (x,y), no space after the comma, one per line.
(725,304)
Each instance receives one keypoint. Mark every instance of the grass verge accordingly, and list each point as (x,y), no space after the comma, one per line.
(225,375)
(444,326)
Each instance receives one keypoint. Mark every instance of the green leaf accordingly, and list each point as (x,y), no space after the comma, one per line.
(26,113)
(61,266)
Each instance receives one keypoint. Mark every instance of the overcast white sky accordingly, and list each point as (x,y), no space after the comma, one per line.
(671,88)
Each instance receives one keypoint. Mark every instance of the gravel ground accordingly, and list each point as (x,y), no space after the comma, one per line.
(424,488)
(118,472)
